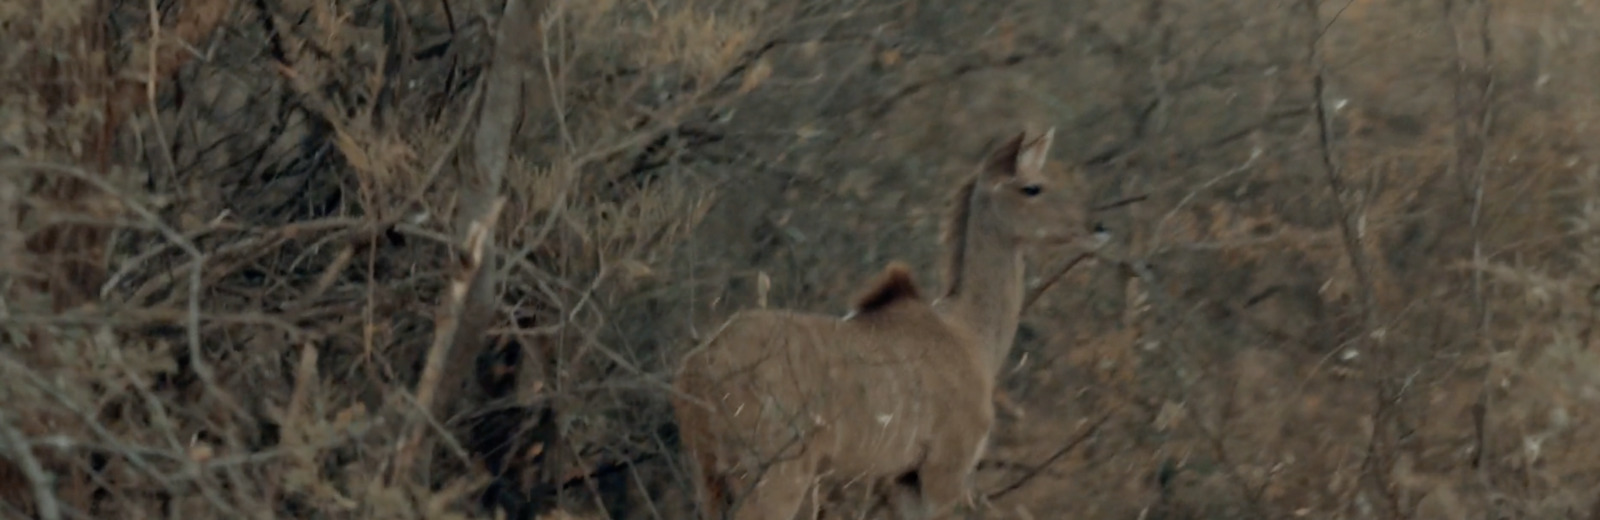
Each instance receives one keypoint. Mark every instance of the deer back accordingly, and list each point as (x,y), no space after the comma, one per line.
(867,390)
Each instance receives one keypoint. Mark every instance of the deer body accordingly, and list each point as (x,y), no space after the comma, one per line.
(834,397)
(779,401)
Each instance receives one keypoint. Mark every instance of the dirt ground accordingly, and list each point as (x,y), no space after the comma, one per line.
(356,259)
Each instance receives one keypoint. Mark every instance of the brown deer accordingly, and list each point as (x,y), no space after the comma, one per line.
(778,401)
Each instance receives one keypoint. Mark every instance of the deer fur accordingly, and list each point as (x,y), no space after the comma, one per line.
(893,285)
(779,401)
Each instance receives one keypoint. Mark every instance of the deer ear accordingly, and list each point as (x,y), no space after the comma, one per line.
(1032,156)
(1004,160)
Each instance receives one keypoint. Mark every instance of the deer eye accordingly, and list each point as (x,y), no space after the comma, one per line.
(1032,190)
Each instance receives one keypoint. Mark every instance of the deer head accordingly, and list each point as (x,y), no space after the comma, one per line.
(1020,199)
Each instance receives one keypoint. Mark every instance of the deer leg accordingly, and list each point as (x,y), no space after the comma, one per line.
(779,493)
(943,488)
(903,497)
(943,480)
(710,487)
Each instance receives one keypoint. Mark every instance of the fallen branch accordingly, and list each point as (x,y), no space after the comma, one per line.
(448,321)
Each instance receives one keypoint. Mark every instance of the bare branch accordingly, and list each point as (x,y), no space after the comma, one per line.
(192,319)
(43,482)
(446,328)
(1474,92)
(1351,216)
(1036,292)
(479,201)
(1082,436)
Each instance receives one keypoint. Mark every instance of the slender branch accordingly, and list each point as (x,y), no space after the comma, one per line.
(1051,460)
(1350,212)
(1472,126)
(42,482)
(1052,279)
(1121,202)
(1351,217)
(196,265)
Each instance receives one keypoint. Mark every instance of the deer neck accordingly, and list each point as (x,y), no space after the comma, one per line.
(986,295)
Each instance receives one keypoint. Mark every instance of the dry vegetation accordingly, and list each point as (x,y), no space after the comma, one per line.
(352,259)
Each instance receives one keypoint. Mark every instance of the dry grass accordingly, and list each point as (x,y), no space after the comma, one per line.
(231,231)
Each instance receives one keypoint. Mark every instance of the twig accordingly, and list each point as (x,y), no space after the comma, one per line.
(330,274)
(198,363)
(1216,440)
(129,265)
(1052,279)
(305,378)
(1048,461)
(148,316)
(552,83)
(1474,114)
(1120,203)
(887,103)
(1333,174)
(450,146)
(431,422)
(135,457)
(1350,226)
(1156,245)
(152,86)
(43,482)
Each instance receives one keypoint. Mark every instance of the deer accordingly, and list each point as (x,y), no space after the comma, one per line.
(899,389)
